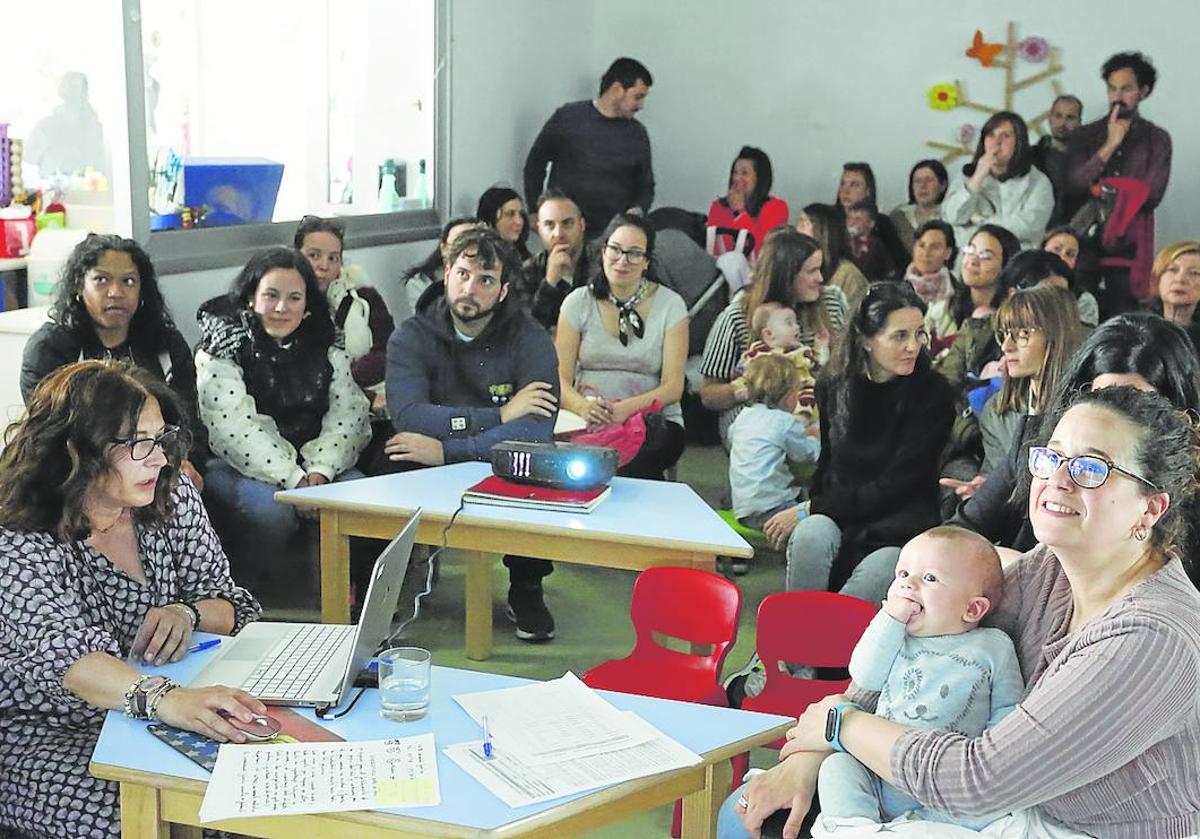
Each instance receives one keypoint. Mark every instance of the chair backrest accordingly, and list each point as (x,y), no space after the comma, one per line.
(809,628)
(688,604)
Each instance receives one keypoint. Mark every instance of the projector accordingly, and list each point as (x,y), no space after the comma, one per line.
(558,465)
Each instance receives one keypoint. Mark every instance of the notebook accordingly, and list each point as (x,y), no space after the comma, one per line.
(314,664)
(202,750)
(498,491)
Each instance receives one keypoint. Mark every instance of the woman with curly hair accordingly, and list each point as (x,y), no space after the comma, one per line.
(108,305)
(106,555)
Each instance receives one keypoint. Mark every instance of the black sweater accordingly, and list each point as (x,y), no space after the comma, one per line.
(877,478)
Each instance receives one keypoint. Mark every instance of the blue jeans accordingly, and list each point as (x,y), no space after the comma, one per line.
(729,819)
(255,529)
(811,550)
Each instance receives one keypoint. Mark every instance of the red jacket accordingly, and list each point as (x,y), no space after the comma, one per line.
(774,213)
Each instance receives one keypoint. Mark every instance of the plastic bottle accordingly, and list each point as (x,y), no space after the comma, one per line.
(422,185)
(389,200)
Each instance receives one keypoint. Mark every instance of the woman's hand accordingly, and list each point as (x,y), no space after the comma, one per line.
(778,528)
(808,734)
(621,411)
(736,200)
(165,634)
(983,168)
(789,784)
(963,489)
(208,710)
(598,414)
(312,479)
(186,467)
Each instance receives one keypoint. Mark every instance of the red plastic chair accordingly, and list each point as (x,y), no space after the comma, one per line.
(808,628)
(684,603)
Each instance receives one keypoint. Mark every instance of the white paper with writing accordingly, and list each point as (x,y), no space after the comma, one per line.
(517,783)
(293,778)
(546,722)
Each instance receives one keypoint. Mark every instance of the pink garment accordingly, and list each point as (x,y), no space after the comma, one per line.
(930,287)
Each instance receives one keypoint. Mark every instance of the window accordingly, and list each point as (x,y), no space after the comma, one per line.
(261,112)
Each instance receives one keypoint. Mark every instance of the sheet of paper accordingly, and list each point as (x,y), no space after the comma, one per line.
(293,778)
(517,783)
(568,421)
(546,722)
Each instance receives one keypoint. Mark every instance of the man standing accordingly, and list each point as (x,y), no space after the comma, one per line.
(1050,153)
(1123,160)
(468,371)
(563,264)
(598,153)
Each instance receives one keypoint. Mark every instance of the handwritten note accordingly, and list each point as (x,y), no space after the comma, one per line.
(299,778)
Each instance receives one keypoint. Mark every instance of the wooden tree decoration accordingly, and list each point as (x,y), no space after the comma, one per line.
(947,96)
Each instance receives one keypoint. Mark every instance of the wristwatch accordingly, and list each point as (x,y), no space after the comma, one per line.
(833,724)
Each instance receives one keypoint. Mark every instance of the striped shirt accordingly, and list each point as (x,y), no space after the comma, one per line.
(1107,740)
(730,336)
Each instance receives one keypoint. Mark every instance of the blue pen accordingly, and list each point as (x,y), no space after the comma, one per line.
(204,645)
(489,751)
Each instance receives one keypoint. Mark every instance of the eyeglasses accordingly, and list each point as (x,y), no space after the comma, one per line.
(1086,470)
(983,254)
(903,337)
(636,256)
(141,448)
(1020,336)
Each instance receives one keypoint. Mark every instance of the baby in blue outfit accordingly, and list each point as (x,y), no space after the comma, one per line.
(933,666)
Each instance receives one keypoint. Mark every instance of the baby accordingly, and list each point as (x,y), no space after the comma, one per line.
(776,331)
(765,437)
(932,664)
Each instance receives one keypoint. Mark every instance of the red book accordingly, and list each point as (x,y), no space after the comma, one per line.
(498,491)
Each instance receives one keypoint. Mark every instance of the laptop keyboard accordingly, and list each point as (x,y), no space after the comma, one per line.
(291,669)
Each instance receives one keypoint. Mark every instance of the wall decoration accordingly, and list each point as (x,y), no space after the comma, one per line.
(946,96)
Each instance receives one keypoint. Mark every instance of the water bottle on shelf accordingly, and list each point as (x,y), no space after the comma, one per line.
(422,185)
(389,199)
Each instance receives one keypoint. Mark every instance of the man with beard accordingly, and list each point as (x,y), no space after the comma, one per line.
(1050,153)
(1135,152)
(468,371)
(562,266)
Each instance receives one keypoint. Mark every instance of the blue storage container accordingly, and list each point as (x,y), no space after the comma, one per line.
(235,190)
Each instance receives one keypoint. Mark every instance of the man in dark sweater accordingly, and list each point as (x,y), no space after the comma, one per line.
(468,371)
(562,266)
(598,153)
(1050,153)
(1123,145)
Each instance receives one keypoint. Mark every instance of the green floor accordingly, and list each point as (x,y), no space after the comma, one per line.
(591,609)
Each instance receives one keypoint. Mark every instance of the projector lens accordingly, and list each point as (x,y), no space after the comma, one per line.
(576,469)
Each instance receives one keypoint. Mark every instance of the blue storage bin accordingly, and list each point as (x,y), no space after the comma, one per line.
(236,190)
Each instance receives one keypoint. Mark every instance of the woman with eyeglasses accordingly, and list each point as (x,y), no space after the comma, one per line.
(1037,331)
(788,271)
(1136,349)
(106,557)
(1001,185)
(1175,286)
(885,416)
(280,403)
(1106,742)
(107,305)
(622,345)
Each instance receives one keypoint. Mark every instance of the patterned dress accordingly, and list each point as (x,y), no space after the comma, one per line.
(59,602)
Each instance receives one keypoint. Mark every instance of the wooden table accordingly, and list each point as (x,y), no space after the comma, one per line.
(641,525)
(160,786)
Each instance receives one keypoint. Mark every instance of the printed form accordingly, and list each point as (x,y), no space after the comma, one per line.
(295,778)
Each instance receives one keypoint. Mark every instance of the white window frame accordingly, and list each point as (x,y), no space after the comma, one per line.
(177,251)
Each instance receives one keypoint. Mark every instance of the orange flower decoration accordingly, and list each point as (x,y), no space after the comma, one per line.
(943,97)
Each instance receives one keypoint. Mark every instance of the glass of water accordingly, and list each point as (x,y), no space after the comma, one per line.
(404,683)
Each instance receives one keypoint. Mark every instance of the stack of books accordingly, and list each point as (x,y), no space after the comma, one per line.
(498,491)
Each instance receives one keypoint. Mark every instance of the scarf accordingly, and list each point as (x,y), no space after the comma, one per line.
(628,320)
(930,287)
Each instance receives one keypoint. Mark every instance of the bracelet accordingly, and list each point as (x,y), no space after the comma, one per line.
(192,612)
(152,710)
(132,693)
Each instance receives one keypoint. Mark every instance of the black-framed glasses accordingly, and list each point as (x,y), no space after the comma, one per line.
(1086,470)
(141,448)
(1021,336)
(636,256)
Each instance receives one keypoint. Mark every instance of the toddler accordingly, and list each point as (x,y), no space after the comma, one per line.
(776,331)
(933,666)
(764,437)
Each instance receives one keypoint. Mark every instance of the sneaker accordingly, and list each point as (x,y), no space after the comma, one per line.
(747,681)
(527,609)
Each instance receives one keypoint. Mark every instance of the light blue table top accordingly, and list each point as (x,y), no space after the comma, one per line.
(125,743)
(649,512)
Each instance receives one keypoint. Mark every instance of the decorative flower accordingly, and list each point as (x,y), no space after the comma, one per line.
(966,133)
(1034,49)
(943,97)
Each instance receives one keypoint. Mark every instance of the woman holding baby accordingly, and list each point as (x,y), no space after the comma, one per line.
(1106,741)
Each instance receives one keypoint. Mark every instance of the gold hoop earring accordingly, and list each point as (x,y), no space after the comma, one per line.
(1141,533)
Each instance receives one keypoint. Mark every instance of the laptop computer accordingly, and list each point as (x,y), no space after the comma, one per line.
(313,664)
